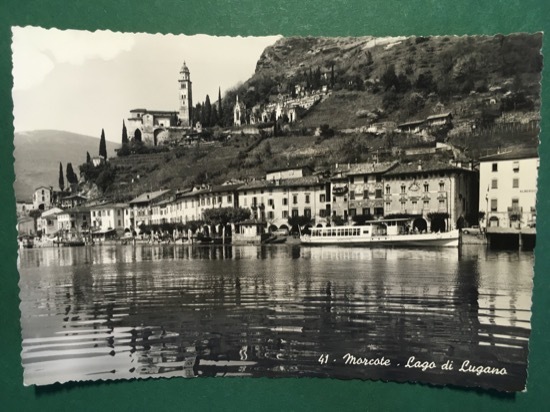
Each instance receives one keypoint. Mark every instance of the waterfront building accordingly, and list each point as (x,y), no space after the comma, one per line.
(358,190)
(108,219)
(274,201)
(217,196)
(26,226)
(142,206)
(441,194)
(47,223)
(508,189)
(74,220)
(288,173)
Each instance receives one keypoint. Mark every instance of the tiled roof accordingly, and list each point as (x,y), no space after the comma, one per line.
(426,166)
(370,168)
(522,153)
(149,196)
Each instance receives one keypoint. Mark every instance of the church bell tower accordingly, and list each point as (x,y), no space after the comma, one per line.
(185,97)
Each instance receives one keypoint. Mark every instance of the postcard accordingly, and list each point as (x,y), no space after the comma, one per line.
(351,208)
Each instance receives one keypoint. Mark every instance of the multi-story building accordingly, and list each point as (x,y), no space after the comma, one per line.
(358,189)
(42,198)
(74,220)
(433,190)
(508,189)
(108,218)
(47,223)
(274,201)
(143,206)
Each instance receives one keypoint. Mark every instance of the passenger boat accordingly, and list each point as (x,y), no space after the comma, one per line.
(387,232)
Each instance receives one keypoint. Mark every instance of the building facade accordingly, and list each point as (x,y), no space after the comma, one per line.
(108,218)
(508,189)
(432,190)
(42,198)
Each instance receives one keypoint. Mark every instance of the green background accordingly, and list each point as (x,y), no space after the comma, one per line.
(255,17)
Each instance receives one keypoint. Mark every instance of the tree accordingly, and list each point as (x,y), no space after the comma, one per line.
(220,109)
(124,134)
(225,215)
(389,78)
(299,221)
(332,80)
(88,158)
(72,178)
(103,145)
(207,112)
(61,179)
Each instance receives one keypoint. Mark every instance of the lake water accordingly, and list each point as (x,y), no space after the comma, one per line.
(117,312)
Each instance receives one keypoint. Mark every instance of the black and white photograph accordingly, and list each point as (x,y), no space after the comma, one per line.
(316,207)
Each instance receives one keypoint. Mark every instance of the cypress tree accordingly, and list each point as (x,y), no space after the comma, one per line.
(103,145)
(88,158)
(61,179)
(207,112)
(220,110)
(124,134)
(72,178)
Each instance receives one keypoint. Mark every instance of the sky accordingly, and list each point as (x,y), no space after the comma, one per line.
(83,82)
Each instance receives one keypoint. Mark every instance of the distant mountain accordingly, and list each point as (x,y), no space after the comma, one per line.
(38,153)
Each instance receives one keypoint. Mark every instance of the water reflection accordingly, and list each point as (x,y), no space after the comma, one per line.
(177,310)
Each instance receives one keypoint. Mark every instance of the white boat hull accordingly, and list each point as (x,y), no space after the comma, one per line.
(446,239)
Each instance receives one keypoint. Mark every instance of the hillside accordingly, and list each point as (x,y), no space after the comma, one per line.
(490,85)
(402,78)
(38,153)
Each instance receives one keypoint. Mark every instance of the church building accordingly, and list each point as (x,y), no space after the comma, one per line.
(154,127)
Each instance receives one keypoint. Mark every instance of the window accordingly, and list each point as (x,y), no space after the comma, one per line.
(403,187)
(493,205)
(378,178)
(270,215)
(516,166)
(307,199)
(352,195)
(426,187)
(219,199)
(352,212)
(285,214)
(365,179)
(426,204)
(307,213)
(495,167)
(378,193)
(388,189)
(270,202)
(285,201)
(365,194)
(414,204)
(352,180)
(366,211)
(515,203)
(119,222)
(322,198)
(118,212)
(403,203)
(441,186)
(494,184)
(229,199)
(295,213)
(515,183)
(388,206)
(294,199)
